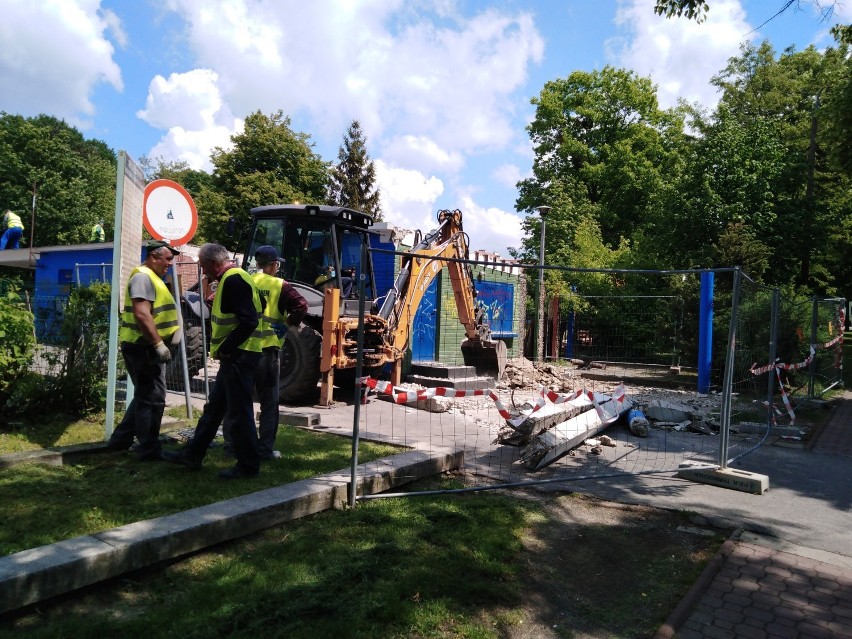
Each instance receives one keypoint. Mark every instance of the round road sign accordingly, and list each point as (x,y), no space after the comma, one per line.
(168,212)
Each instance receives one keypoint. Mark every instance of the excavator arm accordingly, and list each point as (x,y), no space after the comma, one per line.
(443,247)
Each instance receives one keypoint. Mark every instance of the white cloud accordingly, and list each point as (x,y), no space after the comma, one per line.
(681,55)
(391,65)
(421,153)
(54,54)
(189,106)
(490,229)
(408,196)
(508,175)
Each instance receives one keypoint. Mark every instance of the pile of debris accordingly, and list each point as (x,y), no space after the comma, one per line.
(554,429)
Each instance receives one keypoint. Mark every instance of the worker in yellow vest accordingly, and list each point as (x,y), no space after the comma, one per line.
(284,306)
(235,340)
(12,228)
(147,332)
(97,236)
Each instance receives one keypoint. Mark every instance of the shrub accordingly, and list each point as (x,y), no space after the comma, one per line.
(17,340)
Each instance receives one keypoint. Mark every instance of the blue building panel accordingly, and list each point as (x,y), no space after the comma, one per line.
(498,299)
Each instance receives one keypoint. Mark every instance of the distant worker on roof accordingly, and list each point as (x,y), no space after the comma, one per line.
(98,234)
(13,229)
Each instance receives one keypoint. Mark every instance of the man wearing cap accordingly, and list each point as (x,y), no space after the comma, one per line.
(97,236)
(284,304)
(12,228)
(327,279)
(236,342)
(149,326)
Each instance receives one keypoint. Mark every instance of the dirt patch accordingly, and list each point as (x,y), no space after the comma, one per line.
(599,569)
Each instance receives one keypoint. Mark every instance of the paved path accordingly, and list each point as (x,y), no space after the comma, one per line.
(764,587)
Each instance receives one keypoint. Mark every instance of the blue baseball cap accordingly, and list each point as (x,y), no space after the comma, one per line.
(266,255)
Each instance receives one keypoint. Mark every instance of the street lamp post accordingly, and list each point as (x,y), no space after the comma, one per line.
(539,294)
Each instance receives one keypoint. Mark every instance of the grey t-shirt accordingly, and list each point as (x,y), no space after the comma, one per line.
(141,287)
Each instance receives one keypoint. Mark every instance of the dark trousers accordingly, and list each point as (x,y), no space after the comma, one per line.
(230,400)
(266,387)
(145,412)
(266,381)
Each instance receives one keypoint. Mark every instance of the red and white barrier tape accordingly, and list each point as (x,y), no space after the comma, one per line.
(791,367)
(402,396)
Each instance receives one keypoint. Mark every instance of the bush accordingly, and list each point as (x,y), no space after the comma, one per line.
(17,341)
(76,384)
(85,328)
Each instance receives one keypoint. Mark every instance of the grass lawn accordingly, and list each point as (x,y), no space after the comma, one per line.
(474,566)
(42,504)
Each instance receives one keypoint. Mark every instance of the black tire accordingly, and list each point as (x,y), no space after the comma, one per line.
(300,365)
(194,360)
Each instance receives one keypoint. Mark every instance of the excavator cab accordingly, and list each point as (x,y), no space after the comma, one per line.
(320,247)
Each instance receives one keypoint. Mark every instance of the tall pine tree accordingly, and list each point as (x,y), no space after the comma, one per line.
(352,182)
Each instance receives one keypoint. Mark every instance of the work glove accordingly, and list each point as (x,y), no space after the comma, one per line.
(164,355)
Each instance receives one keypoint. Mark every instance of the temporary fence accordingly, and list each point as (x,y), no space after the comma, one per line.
(640,372)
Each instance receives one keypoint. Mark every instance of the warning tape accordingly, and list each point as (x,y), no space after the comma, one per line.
(403,396)
(755,370)
(779,366)
(785,398)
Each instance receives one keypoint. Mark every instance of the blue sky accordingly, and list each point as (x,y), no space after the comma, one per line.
(442,88)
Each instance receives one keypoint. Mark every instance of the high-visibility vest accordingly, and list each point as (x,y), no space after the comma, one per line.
(97,234)
(223,323)
(269,288)
(13,221)
(163,310)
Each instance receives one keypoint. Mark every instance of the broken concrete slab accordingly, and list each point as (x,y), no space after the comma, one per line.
(661,410)
(562,438)
(546,417)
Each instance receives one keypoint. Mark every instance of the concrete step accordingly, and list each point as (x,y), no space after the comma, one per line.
(445,371)
(457,383)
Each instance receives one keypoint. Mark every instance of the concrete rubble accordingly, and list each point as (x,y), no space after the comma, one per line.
(563,437)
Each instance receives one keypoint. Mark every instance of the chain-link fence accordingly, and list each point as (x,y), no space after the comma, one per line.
(637,372)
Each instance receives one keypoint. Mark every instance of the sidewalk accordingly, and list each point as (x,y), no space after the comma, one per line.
(762,587)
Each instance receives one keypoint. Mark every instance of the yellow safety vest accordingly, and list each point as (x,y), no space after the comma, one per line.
(13,221)
(269,288)
(98,234)
(163,310)
(223,323)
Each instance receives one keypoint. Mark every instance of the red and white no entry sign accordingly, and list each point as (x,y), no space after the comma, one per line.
(168,212)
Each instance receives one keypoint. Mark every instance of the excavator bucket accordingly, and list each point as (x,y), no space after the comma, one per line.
(488,357)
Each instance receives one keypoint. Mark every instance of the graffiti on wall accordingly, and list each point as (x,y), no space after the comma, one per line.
(497,299)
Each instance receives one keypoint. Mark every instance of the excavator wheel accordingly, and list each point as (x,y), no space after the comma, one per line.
(487,357)
(300,365)
(194,360)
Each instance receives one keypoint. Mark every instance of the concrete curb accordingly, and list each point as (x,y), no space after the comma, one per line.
(34,575)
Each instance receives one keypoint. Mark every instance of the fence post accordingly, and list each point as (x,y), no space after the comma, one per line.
(728,383)
(813,365)
(705,331)
(359,371)
(773,353)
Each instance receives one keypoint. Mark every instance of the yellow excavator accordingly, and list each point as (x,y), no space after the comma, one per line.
(323,249)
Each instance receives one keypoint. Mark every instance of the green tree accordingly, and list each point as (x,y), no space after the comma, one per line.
(731,175)
(353,178)
(604,151)
(268,164)
(810,196)
(74,178)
